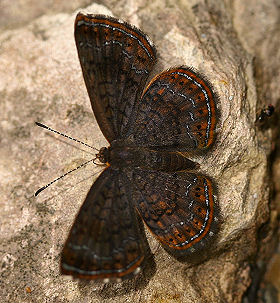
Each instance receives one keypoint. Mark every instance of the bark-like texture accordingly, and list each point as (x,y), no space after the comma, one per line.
(236,45)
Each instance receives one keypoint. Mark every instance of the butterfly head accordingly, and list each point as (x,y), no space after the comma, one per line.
(103,155)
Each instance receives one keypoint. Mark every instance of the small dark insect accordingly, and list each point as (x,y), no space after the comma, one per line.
(264,114)
(146,175)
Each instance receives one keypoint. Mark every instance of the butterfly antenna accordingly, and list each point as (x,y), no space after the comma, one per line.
(66,136)
(67,173)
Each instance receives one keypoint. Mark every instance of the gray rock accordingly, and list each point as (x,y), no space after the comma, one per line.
(236,46)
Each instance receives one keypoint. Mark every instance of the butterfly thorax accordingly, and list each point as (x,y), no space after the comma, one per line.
(145,158)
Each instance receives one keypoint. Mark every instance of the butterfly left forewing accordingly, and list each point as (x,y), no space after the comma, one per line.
(105,241)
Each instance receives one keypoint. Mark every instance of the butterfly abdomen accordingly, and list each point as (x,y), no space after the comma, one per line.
(149,159)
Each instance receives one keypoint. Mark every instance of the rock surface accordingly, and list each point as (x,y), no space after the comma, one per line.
(236,45)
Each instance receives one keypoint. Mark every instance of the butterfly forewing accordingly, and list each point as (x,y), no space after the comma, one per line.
(178,208)
(116,59)
(177,111)
(104,241)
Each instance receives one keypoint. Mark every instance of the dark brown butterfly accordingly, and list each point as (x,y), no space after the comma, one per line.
(146,174)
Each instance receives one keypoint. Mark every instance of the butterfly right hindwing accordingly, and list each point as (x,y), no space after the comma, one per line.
(177,112)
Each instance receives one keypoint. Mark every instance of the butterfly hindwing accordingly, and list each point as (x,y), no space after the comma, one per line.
(177,111)
(116,59)
(178,208)
(105,241)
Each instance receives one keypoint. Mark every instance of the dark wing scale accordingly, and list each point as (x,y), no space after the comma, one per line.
(178,208)
(177,111)
(116,59)
(104,241)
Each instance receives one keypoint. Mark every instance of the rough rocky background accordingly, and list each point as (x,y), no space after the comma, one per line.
(236,44)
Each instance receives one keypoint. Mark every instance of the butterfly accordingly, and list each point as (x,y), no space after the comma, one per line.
(147,172)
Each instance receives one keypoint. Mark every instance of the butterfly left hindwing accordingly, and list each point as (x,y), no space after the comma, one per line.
(178,208)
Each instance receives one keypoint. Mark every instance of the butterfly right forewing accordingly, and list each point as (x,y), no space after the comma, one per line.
(116,59)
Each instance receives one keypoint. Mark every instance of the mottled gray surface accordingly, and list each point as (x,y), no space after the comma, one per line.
(234,44)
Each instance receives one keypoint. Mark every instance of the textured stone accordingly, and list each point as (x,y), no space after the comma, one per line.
(235,45)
